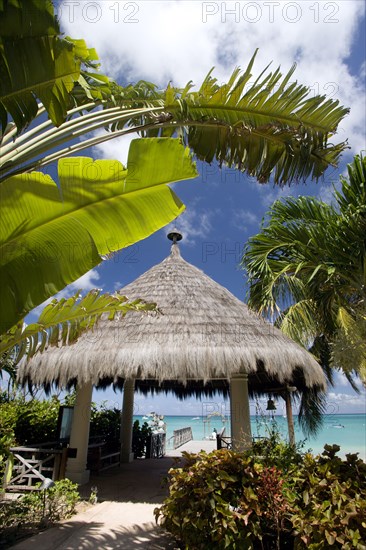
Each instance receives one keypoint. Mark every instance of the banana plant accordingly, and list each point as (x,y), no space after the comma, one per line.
(40,68)
(269,126)
(52,234)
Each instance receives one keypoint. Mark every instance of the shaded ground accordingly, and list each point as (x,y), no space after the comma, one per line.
(123,518)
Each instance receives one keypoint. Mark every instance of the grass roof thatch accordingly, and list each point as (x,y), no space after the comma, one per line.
(202,333)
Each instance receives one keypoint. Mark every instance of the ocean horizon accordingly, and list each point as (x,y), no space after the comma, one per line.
(346,430)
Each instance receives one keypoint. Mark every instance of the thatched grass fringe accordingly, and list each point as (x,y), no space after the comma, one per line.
(204,332)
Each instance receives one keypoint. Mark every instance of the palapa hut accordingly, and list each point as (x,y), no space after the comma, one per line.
(204,339)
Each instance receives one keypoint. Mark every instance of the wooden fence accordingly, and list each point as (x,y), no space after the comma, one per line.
(30,465)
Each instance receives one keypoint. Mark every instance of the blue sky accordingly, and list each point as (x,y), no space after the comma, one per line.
(181,40)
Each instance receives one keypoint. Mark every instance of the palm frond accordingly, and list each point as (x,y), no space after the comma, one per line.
(63,321)
(269,129)
(308,264)
(312,406)
(349,345)
(38,64)
(299,322)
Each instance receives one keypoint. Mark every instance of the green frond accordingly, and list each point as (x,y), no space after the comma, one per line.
(63,321)
(299,322)
(349,345)
(270,129)
(312,406)
(37,64)
(308,263)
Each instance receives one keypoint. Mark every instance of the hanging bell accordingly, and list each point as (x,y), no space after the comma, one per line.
(270,405)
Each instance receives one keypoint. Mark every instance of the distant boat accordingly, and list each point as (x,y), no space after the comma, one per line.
(337,426)
(196,418)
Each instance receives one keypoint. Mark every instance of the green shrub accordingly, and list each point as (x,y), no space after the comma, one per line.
(36,510)
(140,439)
(31,421)
(329,502)
(106,423)
(230,500)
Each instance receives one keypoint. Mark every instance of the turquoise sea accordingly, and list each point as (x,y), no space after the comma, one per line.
(346,430)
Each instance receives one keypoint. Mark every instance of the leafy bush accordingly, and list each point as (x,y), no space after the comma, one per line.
(37,510)
(230,500)
(329,505)
(30,421)
(25,422)
(140,438)
(106,423)
(273,450)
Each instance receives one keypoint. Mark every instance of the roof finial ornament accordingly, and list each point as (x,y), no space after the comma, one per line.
(175,236)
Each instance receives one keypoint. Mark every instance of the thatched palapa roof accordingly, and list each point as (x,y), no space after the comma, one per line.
(203,332)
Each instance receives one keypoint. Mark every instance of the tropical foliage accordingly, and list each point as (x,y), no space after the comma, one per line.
(308,266)
(27,420)
(28,514)
(269,128)
(55,234)
(267,125)
(62,322)
(36,62)
(228,500)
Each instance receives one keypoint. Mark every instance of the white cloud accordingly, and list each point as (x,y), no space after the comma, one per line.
(340,403)
(268,195)
(85,283)
(241,219)
(117,285)
(114,149)
(181,40)
(193,224)
(340,380)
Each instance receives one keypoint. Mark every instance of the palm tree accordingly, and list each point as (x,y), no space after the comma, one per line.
(307,270)
(269,129)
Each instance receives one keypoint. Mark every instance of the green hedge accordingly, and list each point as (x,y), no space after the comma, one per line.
(230,500)
(25,421)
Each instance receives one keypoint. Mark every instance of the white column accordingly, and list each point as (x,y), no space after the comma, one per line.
(127,420)
(76,467)
(241,434)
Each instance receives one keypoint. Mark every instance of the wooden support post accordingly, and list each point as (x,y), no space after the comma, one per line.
(127,420)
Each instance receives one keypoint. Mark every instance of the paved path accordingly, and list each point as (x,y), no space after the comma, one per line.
(105,526)
(207,445)
(124,517)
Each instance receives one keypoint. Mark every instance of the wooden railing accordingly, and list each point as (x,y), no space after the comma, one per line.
(182,436)
(100,459)
(30,465)
(157,446)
